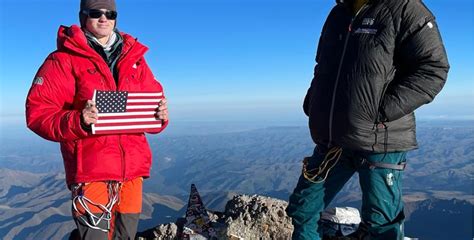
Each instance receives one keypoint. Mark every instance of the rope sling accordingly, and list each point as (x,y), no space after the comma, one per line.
(89,218)
(319,174)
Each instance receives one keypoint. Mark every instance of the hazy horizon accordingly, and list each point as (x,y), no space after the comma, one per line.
(227,60)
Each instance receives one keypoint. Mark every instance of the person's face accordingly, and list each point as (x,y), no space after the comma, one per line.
(102,26)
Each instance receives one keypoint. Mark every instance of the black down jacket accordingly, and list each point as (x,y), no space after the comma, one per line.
(374,68)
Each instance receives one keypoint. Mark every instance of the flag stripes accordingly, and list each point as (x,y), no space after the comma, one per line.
(126,112)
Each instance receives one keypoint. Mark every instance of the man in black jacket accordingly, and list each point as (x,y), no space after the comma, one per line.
(377,61)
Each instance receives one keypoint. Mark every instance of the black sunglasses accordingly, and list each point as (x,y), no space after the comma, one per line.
(96,13)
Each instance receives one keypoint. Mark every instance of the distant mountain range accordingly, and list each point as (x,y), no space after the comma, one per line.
(37,206)
(34,203)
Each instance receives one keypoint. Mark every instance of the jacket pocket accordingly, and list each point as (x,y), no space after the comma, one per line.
(132,77)
(137,155)
(388,79)
(364,92)
(88,80)
(71,151)
(100,158)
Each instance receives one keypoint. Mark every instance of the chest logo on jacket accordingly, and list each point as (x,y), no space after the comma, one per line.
(368,21)
(91,70)
(367,27)
(365,31)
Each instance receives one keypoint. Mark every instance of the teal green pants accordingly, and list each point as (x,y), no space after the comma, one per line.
(382,205)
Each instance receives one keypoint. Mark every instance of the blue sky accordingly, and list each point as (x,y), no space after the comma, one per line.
(222,59)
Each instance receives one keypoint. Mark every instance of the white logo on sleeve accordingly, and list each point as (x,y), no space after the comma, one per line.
(38,81)
(389,179)
(430,25)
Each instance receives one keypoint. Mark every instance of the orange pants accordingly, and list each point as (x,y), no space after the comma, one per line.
(107,210)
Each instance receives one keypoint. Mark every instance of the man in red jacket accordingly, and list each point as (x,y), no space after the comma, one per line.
(104,172)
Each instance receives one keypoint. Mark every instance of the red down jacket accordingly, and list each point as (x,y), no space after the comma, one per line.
(63,84)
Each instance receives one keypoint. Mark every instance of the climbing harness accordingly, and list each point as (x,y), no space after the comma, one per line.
(322,171)
(88,218)
(372,165)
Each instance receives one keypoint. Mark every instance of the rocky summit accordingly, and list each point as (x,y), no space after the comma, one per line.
(245,217)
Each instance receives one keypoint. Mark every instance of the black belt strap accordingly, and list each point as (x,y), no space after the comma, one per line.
(401,166)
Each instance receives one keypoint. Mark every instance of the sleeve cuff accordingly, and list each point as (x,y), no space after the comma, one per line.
(83,129)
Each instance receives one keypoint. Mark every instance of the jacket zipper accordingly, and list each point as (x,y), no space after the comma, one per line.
(123,158)
(117,88)
(122,152)
(346,41)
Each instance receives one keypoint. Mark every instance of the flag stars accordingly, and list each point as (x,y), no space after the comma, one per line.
(111,102)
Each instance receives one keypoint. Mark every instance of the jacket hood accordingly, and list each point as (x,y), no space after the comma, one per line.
(73,39)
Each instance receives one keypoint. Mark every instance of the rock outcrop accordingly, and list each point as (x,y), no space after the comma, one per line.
(161,232)
(257,217)
(244,217)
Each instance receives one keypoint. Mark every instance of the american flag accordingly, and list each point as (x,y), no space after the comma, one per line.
(126,112)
